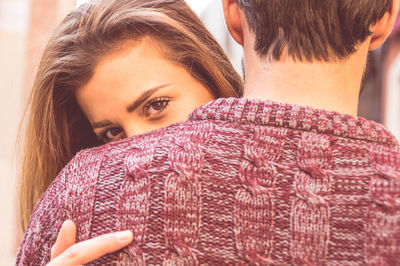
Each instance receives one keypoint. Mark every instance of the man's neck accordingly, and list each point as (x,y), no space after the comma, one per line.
(328,86)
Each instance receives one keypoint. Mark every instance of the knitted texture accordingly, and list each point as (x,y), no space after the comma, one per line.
(241,182)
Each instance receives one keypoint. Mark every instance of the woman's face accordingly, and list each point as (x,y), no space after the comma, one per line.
(134,90)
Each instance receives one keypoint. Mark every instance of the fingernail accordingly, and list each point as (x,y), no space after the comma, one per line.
(124,236)
(67,222)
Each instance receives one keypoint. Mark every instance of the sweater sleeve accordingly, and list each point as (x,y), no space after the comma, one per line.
(49,214)
(382,219)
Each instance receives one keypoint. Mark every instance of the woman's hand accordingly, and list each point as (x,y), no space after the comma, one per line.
(66,252)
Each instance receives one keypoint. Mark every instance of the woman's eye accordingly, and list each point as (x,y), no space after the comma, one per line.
(155,106)
(111,134)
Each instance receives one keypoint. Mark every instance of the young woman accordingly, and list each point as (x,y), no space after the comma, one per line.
(114,69)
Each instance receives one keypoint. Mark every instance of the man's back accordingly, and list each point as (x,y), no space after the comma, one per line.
(243,181)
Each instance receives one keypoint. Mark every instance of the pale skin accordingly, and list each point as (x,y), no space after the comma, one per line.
(330,86)
(135,90)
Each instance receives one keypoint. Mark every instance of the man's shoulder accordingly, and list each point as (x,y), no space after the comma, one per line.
(141,147)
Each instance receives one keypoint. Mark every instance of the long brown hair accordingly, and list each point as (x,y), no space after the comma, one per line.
(56,127)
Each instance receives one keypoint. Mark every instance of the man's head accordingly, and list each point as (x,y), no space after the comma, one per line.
(308,30)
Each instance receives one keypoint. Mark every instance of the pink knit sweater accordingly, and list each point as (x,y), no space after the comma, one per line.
(241,182)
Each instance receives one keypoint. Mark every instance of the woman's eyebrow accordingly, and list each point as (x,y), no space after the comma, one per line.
(101,124)
(143,97)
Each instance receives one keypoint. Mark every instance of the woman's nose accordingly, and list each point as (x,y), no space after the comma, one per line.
(135,129)
(130,132)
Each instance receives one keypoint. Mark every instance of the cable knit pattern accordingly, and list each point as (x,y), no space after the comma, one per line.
(254,207)
(310,221)
(241,182)
(183,205)
(133,206)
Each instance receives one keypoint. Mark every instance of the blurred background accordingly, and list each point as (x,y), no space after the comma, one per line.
(25,26)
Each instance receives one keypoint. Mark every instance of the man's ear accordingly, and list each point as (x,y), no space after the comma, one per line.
(233,20)
(382,29)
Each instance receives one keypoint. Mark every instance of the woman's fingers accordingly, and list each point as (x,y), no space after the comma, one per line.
(65,239)
(89,250)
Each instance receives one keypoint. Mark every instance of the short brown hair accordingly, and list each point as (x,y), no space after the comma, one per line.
(307,30)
